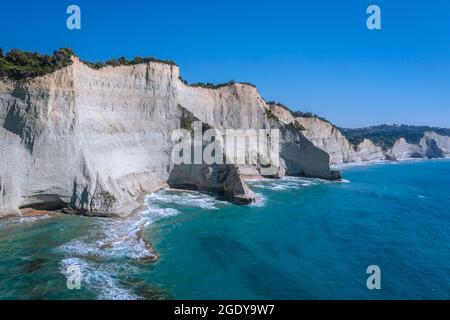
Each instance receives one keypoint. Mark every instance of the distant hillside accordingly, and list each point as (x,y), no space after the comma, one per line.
(386,135)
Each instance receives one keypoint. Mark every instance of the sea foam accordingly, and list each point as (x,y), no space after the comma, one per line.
(101,279)
(185,199)
(285,183)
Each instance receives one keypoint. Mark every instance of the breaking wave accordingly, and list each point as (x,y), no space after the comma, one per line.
(102,279)
(116,238)
(185,199)
(260,200)
(347,165)
(285,183)
(112,238)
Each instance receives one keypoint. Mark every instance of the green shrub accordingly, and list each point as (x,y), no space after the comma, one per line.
(186,123)
(297,113)
(182,80)
(209,85)
(271,116)
(122,61)
(298,126)
(279,104)
(17,64)
(301,114)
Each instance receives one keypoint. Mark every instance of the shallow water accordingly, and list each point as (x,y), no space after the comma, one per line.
(306,238)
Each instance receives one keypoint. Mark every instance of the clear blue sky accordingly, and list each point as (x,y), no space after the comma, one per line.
(310,55)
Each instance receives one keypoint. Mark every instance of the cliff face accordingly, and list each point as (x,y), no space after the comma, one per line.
(432,145)
(404,150)
(327,137)
(241,107)
(84,137)
(95,140)
(368,151)
(435,145)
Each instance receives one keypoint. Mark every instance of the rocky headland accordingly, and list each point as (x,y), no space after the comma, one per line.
(94,139)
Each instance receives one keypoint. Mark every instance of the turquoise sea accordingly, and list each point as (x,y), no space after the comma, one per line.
(306,239)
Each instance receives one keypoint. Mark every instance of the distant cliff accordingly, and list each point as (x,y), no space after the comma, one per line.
(94,138)
(387,135)
(368,144)
(399,142)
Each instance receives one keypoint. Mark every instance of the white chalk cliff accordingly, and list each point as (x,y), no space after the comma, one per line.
(327,137)
(95,141)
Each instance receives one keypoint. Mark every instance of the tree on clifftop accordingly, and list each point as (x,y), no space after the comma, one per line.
(18,64)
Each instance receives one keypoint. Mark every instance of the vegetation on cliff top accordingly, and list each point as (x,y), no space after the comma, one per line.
(279,104)
(209,85)
(17,64)
(296,114)
(301,114)
(122,61)
(385,135)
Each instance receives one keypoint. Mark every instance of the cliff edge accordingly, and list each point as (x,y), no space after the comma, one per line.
(95,140)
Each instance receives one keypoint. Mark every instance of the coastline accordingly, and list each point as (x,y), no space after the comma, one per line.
(140,202)
(142,198)
(125,240)
(307,228)
(381,162)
